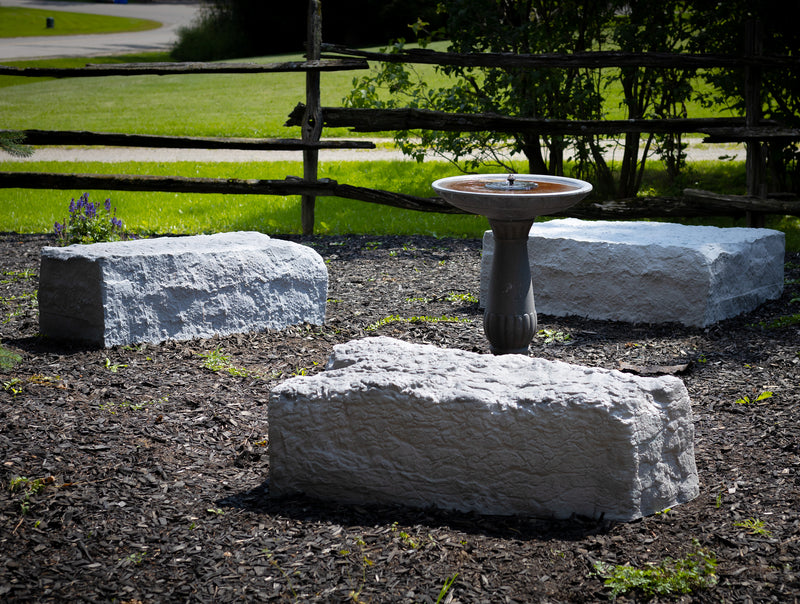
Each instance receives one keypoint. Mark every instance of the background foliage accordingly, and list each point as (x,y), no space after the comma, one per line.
(539,26)
(248,28)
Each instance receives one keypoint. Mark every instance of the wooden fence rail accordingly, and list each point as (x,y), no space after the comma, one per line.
(693,204)
(126,69)
(311,117)
(111,139)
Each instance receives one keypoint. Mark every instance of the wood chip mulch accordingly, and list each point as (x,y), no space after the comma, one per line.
(141,473)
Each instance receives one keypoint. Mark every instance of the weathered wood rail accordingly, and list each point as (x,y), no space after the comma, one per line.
(123,69)
(693,204)
(111,139)
(312,118)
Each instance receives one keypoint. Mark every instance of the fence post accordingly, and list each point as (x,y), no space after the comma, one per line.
(756,184)
(312,119)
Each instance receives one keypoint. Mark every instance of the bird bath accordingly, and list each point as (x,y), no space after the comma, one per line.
(511,203)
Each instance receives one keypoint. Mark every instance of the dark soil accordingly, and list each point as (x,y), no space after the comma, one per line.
(148,473)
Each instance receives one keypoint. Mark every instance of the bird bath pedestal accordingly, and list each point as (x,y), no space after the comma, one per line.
(511,203)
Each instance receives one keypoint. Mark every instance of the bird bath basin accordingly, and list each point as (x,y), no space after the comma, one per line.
(511,203)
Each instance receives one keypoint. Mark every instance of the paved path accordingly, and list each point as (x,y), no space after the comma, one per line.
(697,151)
(172,16)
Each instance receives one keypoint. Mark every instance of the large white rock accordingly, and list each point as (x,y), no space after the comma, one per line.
(390,421)
(151,290)
(648,272)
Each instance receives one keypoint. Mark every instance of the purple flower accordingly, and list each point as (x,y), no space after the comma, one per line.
(108,206)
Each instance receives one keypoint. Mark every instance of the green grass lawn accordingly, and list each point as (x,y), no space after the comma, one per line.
(246,105)
(18,22)
(35,211)
(240,105)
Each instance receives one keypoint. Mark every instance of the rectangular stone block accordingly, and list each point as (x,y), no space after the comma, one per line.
(394,422)
(648,272)
(151,290)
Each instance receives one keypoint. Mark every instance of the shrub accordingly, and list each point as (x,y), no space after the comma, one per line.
(86,224)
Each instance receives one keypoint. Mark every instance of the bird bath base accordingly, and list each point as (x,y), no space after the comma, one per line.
(511,204)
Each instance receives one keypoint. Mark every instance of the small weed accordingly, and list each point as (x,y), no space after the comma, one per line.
(274,563)
(417,319)
(781,322)
(304,370)
(745,400)
(14,386)
(448,583)
(217,511)
(216,361)
(17,305)
(696,571)
(461,298)
(16,275)
(114,407)
(405,537)
(28,488)
(135,557)
(551,336)
(364,562)
(113,367)
(753,526)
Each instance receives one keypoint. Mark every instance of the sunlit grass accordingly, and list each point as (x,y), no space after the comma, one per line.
(35,211)
(240,105)
(22,22)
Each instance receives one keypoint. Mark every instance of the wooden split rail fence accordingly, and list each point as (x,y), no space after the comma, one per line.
(312,118)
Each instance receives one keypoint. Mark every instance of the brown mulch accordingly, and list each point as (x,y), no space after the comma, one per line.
(148,473)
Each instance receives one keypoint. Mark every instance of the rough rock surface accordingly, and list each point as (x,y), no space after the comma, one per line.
(649,272)
(394,422)
(152,290)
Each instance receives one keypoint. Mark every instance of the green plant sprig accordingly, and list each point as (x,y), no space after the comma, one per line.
(113,407)
(216,361)
(28,487)
(551,336)
(415,319)
(781,322)
(8,358)
(746,400)
(754,526)
(683,576)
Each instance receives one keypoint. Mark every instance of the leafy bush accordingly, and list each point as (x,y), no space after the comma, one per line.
(229,29)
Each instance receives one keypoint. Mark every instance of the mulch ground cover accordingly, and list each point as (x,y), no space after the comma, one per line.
(141,473)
